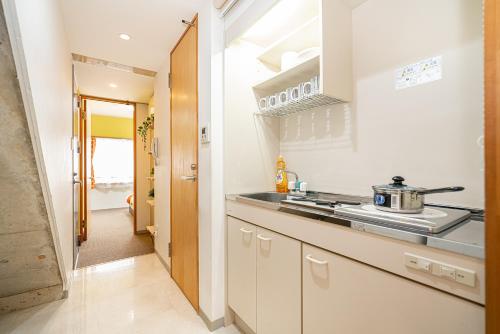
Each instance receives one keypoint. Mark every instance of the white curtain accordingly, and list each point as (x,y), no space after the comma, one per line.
(113,161)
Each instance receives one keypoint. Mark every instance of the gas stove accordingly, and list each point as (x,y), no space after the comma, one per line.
(431,221)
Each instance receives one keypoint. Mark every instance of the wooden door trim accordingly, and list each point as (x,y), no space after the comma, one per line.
(81,140)
(194,23)
(492,166)
(134,104)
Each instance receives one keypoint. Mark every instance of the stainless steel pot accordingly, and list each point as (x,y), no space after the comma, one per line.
(401,198)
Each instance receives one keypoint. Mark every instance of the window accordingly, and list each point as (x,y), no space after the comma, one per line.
(113,161)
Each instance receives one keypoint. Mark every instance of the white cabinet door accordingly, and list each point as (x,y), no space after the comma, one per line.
(347,297)
(278,283)
(241,270)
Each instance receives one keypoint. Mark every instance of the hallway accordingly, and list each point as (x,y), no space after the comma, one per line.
(134,295)
(111,238)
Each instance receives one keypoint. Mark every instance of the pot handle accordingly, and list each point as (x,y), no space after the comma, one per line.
(440,190)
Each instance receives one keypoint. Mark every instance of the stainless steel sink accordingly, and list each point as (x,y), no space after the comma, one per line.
(266,197)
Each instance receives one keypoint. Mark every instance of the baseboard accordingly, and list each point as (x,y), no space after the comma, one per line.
(211,325)
(241,325)
(31,298)
(163,262)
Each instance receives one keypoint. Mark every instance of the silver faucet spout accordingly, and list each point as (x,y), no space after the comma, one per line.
(294,174)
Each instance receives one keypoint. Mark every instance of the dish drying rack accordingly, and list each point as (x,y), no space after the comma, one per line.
(303,104)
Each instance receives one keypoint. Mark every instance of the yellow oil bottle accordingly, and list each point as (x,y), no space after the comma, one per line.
(281,178)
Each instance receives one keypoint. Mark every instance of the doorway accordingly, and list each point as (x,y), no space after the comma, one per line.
(184,162)
(108,227)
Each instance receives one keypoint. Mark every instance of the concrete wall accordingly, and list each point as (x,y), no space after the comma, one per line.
(29,272)
(44,66)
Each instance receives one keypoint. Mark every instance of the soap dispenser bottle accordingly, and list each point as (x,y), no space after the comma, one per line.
(281,178)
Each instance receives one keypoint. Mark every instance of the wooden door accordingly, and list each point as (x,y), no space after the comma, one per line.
(184,160)
(241,270)
(492,147)
(278,283)
(341,295)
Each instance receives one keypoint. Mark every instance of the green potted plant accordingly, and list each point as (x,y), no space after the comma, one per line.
(142,129)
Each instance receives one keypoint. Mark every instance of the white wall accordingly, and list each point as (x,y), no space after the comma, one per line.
(251,142)
(110,198)
(45,74)
(162,169)
(427,133)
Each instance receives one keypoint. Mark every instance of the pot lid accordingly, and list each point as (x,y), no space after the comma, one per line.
(396,185)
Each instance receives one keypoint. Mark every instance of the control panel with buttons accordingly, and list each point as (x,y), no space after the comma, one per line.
(446,271)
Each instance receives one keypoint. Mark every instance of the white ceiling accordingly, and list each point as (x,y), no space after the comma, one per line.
(110,109)
(93,26)
(155,26)
(95,81)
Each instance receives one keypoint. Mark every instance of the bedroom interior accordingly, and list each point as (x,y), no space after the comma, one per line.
(118,192)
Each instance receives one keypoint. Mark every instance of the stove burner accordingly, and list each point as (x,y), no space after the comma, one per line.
(429,221)
(428,213)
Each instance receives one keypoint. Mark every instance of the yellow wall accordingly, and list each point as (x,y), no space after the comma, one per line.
(112,127)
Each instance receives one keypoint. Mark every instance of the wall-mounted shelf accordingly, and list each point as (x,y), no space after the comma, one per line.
(304,37)
(329,30)
(282,80)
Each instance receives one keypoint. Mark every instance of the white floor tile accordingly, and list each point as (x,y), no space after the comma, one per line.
(133,295)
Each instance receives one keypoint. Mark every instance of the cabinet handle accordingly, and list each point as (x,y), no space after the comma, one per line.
(313,260)
(245,231)
(259,236)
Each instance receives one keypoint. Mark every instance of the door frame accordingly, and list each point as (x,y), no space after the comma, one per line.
(192,23)
(85,98)
(492,165)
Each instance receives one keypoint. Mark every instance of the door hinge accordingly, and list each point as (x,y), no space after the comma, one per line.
(84,116)
(170,80)
(169,249)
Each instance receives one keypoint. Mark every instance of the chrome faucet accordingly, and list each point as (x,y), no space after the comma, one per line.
(294,174)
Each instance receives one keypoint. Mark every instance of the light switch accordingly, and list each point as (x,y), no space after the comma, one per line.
(418,263)
(411,261)
(424,265)
(447,272)
(457,274)
(205,134)
(467,277)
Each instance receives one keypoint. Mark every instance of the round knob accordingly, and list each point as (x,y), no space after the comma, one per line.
(398,180)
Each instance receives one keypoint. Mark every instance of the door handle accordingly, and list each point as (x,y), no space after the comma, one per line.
(245,231)
(77,182)
(259,236)
(188,178)
(313,260)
